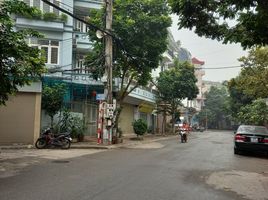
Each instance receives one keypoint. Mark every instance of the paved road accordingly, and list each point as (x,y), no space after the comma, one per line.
(203,169)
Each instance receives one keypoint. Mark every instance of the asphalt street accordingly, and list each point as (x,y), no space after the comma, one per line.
(205,168)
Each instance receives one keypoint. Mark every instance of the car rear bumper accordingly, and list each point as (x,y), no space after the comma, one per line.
(251,147)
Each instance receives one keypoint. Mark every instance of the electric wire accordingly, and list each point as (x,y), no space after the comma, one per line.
(116,39)
(227,67)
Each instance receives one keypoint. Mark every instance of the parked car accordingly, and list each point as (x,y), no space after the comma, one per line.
(251,139)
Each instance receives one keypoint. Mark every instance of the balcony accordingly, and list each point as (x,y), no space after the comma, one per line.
(39,24)
(86,4)
(143,95)
(81,41)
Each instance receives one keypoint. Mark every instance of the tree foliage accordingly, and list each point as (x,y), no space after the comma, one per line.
(174,85)
(52,99)
(216,107)
(237,97)
(210,19)
(141,27)
(254,114)
(253,77)
(19,63)
(252,82)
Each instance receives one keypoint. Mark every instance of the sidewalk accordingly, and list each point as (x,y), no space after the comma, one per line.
(128,140)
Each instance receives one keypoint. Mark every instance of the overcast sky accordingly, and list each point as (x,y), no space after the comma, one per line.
(214,53)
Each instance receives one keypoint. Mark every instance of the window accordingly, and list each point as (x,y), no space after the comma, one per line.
(54,55)
(80,65)
(50,49)
(80,26)
(43,6)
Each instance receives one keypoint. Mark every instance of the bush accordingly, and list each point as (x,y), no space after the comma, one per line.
(64,18)
(140,127)
(37,14)
(73,124)
(50,16)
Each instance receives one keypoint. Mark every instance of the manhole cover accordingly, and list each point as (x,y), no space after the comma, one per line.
(61,161)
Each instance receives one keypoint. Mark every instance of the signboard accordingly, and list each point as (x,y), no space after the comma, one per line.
(100,97)
(146,108)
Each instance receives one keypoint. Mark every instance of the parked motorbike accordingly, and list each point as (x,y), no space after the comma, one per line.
(48,139)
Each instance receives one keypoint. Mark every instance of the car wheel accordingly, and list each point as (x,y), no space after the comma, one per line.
(236,151)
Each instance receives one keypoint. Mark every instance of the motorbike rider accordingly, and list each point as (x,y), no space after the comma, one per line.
(185,127)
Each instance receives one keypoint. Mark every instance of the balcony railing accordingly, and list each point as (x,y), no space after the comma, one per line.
(95,4)
(39,24)
(81,41)
(143,95)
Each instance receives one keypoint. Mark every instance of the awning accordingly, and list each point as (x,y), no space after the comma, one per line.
(146,108)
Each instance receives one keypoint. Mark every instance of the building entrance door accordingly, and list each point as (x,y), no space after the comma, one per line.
(91,119)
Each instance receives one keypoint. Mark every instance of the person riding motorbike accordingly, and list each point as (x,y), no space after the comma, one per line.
(184,130)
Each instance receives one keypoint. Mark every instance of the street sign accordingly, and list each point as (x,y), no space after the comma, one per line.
(100,97)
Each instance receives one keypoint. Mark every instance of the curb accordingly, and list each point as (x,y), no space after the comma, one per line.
(17,147)
(74,146)
(142,142)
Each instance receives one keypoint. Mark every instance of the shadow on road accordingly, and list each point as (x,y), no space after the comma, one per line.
(261,155)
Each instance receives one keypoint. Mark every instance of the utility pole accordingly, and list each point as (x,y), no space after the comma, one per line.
(108,121)
(109,51)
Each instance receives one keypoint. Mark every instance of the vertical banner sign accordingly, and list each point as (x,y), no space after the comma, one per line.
(100,117)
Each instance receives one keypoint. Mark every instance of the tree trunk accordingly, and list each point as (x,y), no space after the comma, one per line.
(173,123)
(51,121)
(164,124)
(174,108)
(119,109)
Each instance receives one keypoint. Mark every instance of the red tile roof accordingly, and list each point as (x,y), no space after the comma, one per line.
(198,62)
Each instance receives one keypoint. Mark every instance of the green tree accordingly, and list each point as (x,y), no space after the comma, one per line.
(252,82)
(52,99)
(216,107)
(253,77)
(142,29)
(19,63)
(174,85)
(255,113)
(237,97)
(210,19)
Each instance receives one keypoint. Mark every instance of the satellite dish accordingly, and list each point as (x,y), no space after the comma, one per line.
(99,34)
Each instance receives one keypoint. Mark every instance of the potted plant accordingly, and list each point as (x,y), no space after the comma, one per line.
(63,18)
(73,124)
(140,128)
(50,16)
(78,127)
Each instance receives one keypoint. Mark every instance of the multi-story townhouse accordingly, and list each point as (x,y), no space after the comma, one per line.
(199,73)
(65,45)
(175,51)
